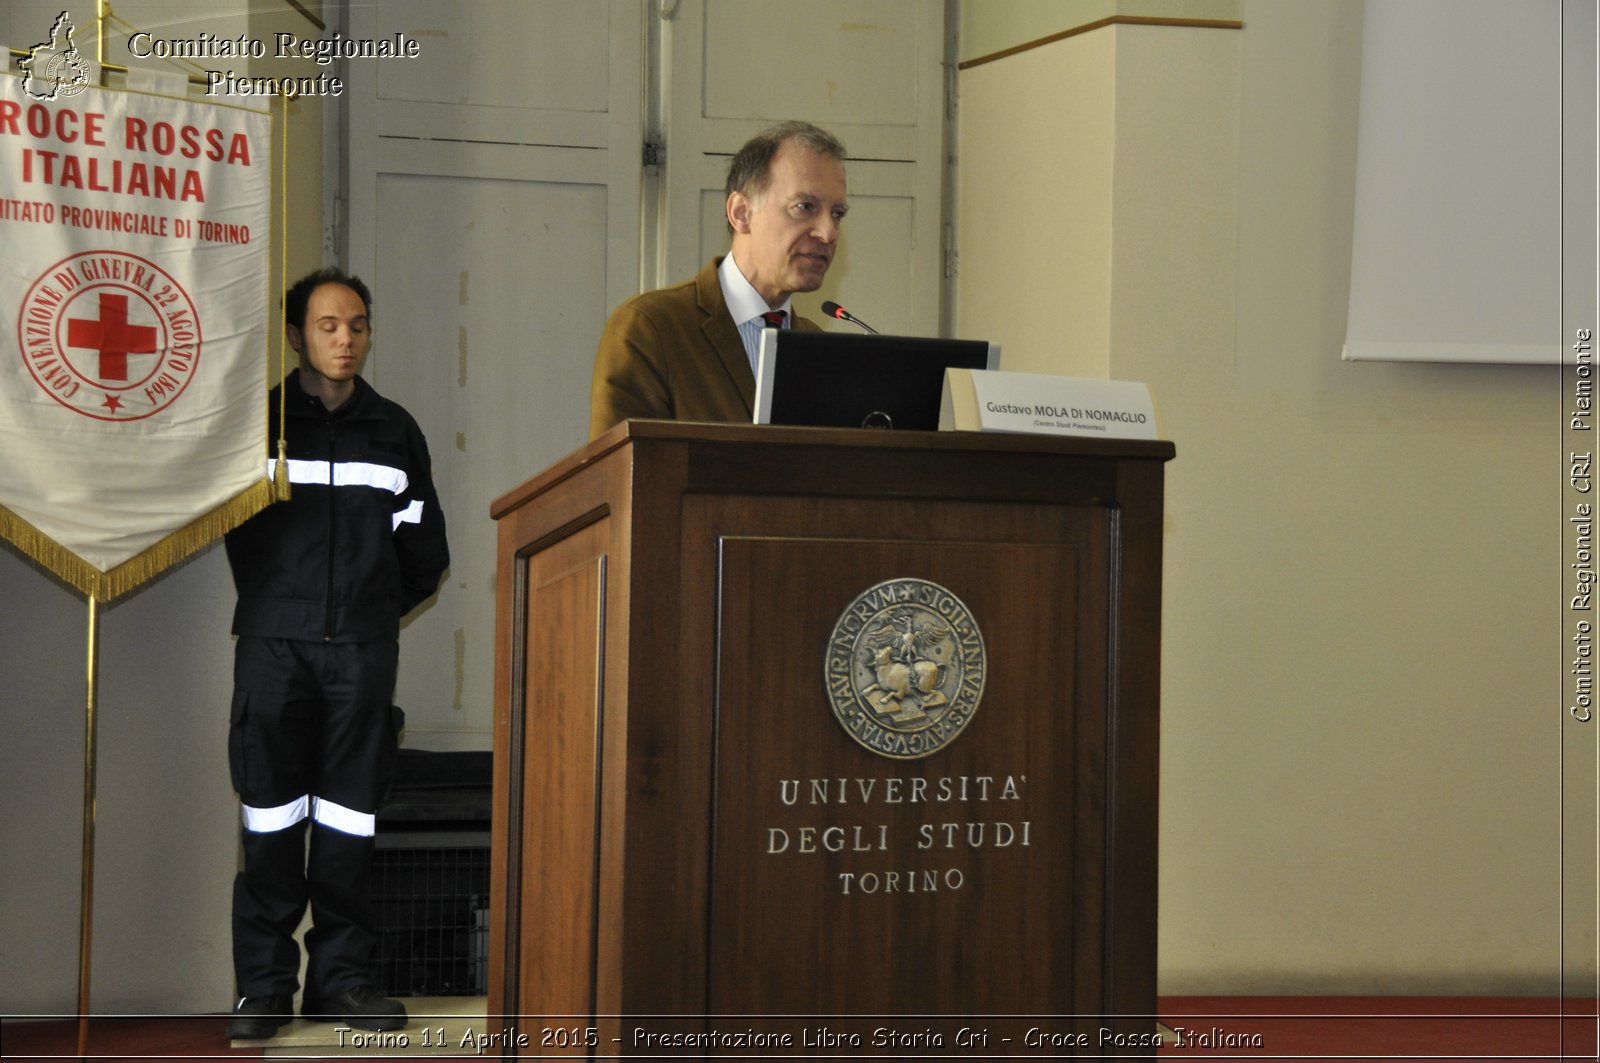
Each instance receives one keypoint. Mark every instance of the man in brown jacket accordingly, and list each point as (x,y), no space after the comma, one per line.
(687,352)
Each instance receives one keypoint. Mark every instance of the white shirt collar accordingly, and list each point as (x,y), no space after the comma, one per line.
(744,302)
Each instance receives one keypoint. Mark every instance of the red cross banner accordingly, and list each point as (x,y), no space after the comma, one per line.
(134,242)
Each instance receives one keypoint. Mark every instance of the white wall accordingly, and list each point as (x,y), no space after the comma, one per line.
(166,820)
(1363,774)
(1361,737)
(1054,314)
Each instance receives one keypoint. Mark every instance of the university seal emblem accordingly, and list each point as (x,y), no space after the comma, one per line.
(905,667)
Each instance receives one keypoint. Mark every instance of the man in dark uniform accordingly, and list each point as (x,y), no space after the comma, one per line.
(323,580)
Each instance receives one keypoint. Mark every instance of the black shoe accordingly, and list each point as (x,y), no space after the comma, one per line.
(361,1007)
(255,1018)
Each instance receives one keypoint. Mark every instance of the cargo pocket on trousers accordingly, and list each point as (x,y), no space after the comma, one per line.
(238,741)
(391,752)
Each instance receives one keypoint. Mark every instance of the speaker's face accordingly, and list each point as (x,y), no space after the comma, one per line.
(785,237)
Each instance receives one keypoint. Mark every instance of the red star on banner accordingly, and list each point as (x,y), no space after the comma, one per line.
(112,403)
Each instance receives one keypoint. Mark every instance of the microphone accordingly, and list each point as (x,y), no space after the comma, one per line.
(833,309)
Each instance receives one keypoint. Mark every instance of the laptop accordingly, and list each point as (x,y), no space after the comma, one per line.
(844,380)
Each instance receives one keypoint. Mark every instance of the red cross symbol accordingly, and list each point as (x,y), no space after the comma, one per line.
(112,338)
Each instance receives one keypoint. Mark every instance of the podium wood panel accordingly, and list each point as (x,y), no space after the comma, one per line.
(682,828)
(565,603)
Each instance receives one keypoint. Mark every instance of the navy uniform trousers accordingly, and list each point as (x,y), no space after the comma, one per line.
(311,747)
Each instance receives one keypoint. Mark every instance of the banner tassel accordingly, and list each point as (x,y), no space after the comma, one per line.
(280,474)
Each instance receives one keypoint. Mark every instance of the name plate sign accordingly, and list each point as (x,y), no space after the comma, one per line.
(977,400)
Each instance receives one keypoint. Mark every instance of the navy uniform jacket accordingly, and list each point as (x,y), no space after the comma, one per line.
(361,541)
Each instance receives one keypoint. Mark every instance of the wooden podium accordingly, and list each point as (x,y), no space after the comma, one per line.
(694,844)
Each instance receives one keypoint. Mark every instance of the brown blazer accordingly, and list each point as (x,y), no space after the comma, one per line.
(674,354)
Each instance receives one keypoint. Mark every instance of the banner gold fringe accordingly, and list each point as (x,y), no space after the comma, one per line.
(145,566)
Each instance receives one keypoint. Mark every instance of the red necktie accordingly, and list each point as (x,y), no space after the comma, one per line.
(773,318)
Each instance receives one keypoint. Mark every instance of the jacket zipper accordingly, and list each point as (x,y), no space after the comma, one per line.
(327,608)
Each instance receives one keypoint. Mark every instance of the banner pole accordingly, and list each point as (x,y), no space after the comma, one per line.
(91,699)
(86,928)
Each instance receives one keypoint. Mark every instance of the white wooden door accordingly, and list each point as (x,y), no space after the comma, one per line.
(869,71)
(493,207)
